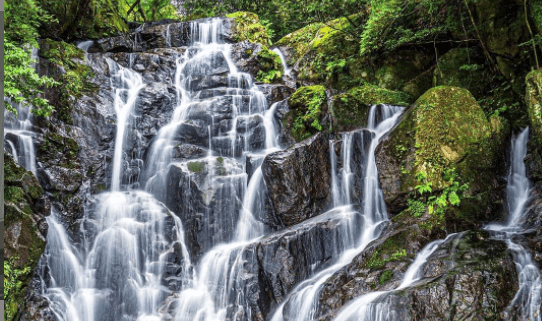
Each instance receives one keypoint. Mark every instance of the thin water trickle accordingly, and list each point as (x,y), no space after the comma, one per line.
(287,70)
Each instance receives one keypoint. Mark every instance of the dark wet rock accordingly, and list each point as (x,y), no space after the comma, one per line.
(188,193)
(307,164)
(274,92)
(294,254)
(245,56)
(469,275)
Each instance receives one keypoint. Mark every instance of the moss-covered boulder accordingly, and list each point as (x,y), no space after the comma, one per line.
(350,110)
(25,231)
(247,26)
(308,107)
(458,68)
(441,148)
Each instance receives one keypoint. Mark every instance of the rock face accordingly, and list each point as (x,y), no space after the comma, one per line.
(25,209)
(460,277)
(445,129)
(307,164)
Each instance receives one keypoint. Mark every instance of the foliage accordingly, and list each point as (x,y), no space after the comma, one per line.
(386,276)
(436,204)
(271,66)
(13,286)
(307,104)
(248,27)
(75,81)
(22,85)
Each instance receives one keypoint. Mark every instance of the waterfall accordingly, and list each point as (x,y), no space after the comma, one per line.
(128,259)
(302,302)
(117,264)
(529,296)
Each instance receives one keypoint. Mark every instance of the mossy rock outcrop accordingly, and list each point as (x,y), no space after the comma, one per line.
(458,68)
(25,231)
(308,106)
(327,53)
(248,27)
(446,132)
(351,109)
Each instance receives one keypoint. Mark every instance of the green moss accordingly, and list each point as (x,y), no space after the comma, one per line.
(196,167)
(271,66)
(448,121)
(328,53)
(307,107)
(248,27)
(300,40)
(385,277)
(393,249)
(351,109)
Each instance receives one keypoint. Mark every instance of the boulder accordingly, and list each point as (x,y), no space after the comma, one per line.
(308,165)
(446,133)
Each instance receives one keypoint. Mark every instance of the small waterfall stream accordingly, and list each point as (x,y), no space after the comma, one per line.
(528,299)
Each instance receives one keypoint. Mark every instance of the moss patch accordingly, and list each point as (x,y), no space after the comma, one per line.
(248,27)
(307,108)
(196,167)
(350,110)
(300,41)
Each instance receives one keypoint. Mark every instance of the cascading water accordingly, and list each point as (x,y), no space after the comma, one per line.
(302,303)
(116,266)
(528,299)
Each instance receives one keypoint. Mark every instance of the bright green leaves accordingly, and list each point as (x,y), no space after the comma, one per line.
(21,82)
